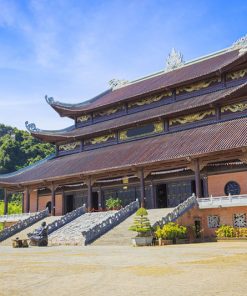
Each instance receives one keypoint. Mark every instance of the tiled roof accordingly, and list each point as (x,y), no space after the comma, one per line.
(165,80)
(150,114)
(195,142)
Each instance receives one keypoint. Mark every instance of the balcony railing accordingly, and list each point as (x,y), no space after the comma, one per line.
(222,201)
(15,217)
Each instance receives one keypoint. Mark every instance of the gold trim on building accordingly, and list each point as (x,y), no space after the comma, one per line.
(236,75)
(149,100)
(108,112)
(101,139)
(197,86)
(191,118)
(69,146)
(238,107)
(83,118)
(158,127)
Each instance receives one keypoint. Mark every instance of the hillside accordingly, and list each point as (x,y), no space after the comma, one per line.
(19,149)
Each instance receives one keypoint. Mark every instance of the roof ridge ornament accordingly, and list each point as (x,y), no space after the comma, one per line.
(174,60)
(117,83)
(31,127)
(241,44)
(49,100)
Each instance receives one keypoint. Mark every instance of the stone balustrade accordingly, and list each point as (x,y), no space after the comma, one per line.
(15,217)
(177,211)
(21,225)
(222,201)
(66,219)
(97,230)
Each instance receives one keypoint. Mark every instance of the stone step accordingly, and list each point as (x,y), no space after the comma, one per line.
(120,235)
(71,233)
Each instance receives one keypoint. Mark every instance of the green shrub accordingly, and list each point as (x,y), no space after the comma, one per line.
(230,231)
(141,223)
(113,203)
(171,231)
(13,208)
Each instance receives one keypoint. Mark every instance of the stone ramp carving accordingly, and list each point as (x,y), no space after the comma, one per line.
(120,235)
(71,233)
(91,226)
(23,234)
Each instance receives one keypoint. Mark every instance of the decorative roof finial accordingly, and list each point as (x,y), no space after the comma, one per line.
(241,44)
(117,83)
(49,100)
(174,60)
(31,127)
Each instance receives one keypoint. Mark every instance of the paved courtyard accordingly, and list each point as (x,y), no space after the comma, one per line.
(195,269)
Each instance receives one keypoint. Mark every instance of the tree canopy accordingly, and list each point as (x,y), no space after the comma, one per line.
(19,149)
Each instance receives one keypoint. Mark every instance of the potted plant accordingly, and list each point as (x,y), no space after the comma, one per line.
(113,203)
(142,226)
(171,233)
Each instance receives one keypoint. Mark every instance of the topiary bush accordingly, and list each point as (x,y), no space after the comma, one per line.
(141,223)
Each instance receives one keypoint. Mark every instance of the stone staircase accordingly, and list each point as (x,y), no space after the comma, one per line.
(23,234)
(120,235)
(71,233)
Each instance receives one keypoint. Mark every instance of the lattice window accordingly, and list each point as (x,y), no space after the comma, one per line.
(213,221)
(239,220)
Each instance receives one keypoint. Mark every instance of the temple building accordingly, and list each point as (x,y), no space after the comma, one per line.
(158,139)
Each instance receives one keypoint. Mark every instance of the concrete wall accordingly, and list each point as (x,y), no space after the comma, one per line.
(216,183)
(226,217)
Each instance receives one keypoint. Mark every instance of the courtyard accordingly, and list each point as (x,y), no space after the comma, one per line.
(194,269)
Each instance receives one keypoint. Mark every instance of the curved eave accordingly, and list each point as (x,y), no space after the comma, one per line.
(73,110)
(227,139)
(175,109)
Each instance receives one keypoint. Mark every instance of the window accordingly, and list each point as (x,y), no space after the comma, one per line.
(213,221)
(232,188)
(239,220)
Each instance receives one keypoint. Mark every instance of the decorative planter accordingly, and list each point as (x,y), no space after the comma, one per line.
(139,241)
(163,242)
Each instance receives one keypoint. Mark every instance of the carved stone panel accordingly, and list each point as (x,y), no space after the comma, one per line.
(239,220)
(213,221)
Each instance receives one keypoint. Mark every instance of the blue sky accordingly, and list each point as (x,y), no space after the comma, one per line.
(70,49)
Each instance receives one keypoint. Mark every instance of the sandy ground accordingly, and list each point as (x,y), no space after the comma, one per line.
(195,269)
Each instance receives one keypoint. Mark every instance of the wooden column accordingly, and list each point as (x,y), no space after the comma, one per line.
(153,195)
(89,197)
(22,203)
(37,202)
(198,179)
(53,200)
(142,187)
(100,206)
(27,202)
(205,186)
(218,113)
(5,212)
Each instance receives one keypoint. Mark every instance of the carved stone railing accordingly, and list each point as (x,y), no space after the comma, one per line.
(15,217)
(66,219)
(177,211)
(222,201)
(21,225)
(98,230)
